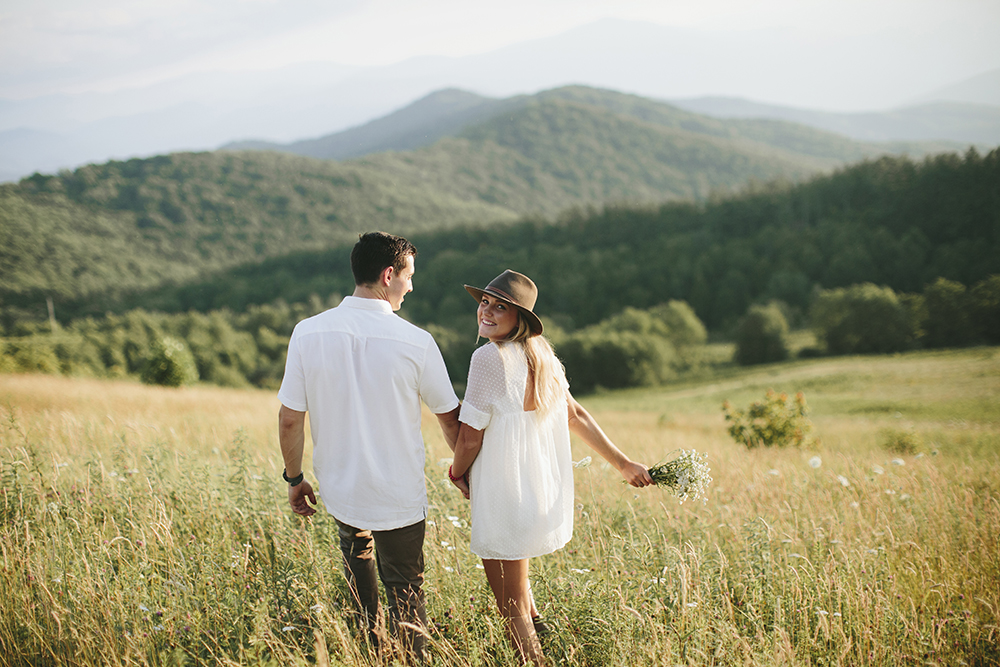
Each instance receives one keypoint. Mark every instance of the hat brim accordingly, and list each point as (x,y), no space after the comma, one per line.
(534,323)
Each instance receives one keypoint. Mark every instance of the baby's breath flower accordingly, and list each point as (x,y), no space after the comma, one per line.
(582,463)
(686,476)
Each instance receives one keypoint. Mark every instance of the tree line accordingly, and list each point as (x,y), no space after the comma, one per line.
(892,223)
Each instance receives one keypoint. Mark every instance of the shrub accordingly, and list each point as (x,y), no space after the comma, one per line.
(900,441)
(761,336)
(774,421)
(33,354)
(863,319)
(170,364)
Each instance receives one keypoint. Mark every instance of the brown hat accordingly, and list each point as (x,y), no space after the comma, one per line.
(516,289)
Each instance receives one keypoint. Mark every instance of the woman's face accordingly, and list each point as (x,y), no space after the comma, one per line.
(496,318)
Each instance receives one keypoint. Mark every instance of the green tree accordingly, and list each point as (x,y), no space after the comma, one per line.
(602,357)
(985,309)
(862,319)
(948,315)
(762,336)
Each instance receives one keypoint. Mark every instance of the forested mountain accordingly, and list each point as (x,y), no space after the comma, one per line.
(892,222)
(102,231)
(448,113)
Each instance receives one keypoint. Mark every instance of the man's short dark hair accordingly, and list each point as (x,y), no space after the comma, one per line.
(374,252)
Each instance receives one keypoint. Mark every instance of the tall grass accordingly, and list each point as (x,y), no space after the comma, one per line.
(145,526)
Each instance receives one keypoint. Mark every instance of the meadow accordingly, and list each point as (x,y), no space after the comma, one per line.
(149,526)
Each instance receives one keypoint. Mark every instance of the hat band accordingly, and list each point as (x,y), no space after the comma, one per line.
(502,294)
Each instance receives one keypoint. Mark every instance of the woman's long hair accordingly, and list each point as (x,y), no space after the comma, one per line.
(544,367)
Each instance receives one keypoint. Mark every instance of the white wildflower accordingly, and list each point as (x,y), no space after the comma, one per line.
(287,628)
(583,571)
(452,518)
(877,470)
(898,462)
(582,463)
(822,612)
(444,544)
(692,604)
(686,476)
(774,473)
(855,504)
(449,569)
(317,608)
(815,462)
(843,481)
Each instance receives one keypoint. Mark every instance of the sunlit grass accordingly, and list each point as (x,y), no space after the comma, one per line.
(150,526)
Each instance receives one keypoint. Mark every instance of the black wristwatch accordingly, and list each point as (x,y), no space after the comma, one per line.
(293,481)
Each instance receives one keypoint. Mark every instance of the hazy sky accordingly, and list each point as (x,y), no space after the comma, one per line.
(71,46)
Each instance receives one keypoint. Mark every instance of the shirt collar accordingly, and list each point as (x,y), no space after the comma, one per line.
(367,304)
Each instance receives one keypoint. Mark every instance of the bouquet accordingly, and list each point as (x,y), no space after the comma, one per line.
(686,476)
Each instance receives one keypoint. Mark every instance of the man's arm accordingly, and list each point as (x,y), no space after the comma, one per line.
(292,437)
(450,426)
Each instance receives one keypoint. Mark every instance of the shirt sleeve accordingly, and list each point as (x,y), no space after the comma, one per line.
(292,393)
(435,385)
(487,384)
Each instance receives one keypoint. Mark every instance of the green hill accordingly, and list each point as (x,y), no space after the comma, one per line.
(892,222)
(102,231)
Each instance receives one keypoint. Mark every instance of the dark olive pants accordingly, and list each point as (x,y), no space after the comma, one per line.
(398,557)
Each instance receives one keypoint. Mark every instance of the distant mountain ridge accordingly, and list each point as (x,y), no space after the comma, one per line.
(970,123)
(201,111)
(447,113)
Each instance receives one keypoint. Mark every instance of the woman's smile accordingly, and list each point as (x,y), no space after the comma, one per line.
(496,318)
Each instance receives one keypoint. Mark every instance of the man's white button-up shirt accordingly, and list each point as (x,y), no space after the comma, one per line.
(360,371)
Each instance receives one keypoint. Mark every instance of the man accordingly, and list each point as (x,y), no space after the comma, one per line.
(360,372)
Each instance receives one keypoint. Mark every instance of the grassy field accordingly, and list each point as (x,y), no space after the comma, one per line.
(150,526)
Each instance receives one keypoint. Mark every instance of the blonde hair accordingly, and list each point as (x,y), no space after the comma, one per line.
(544,367)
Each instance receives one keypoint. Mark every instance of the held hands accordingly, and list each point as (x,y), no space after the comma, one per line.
(301,498)
(462,485)
(461,482)
(636,474)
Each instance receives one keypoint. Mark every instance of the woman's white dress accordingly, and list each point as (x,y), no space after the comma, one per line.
(522,480)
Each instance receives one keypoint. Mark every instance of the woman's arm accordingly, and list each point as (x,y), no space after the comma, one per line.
(470,441)
(581,423)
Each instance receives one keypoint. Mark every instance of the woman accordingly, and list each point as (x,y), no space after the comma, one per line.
(513,450)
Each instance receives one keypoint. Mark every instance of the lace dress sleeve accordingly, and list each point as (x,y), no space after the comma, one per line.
(486,386)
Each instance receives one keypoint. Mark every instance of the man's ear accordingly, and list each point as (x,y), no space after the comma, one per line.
(386,276)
